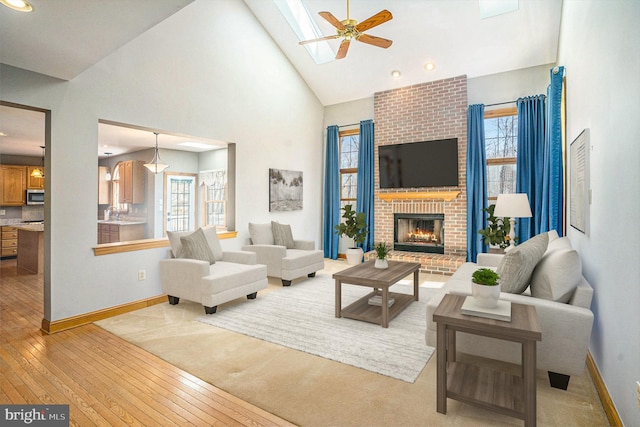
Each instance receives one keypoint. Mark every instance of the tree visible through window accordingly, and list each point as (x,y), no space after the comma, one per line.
(501,144)
(214,184)
(349,147)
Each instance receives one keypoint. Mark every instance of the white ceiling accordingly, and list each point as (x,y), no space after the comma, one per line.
(64,38)
(449,33)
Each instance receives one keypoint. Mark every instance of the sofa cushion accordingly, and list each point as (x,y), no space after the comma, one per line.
(195,246)
(282,235)
(517,265)
(214,244)
(261,234)
(557,275)
(174,241)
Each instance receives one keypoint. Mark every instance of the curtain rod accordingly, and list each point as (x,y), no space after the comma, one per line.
(500,103)
(352,124)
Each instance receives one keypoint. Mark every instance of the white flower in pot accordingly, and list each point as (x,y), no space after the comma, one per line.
(485,287)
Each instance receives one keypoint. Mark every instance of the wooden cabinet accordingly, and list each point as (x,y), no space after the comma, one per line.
(104,186)
(112,233)
(132,182)
(9,241)
(35,182)
(13,185)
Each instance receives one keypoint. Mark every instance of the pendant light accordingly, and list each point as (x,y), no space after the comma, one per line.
(156,165)
(39,171)
(107,177)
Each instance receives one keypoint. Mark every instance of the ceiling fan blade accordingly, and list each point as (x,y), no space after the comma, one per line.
(375,41)
(335,36)
(344,47)
(377,19)
(332,20)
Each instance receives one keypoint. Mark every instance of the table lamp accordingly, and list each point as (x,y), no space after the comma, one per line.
(512,206)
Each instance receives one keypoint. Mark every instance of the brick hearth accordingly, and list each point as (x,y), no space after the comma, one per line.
(424,112)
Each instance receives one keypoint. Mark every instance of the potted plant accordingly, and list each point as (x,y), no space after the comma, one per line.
(382,250)
(496,235)
(354,227)
(485,287)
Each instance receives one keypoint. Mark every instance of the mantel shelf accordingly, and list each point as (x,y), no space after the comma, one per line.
(447,196)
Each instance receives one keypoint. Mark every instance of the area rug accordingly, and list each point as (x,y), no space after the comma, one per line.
(302,317)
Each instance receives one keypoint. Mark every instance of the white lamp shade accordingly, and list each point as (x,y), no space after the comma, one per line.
(156,167)
(513,206)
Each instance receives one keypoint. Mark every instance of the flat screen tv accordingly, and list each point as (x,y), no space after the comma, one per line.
(419,164)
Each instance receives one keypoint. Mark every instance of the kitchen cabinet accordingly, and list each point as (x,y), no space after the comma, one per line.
(104,186)
(132,182)
(9,241)
(120,232)
(35,182)
(13,185)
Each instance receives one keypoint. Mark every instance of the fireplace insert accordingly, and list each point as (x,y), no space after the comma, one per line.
(418,233)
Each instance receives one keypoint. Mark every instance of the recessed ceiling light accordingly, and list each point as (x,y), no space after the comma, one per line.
(429,66)
(19,5)
(395,74)
(3,134)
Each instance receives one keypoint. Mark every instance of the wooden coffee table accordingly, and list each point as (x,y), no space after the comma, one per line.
(366,274)
(498,391)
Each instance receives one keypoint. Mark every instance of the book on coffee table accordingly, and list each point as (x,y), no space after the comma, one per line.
(501,312)
(377,300)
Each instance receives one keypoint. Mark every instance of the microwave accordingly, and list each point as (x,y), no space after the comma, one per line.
(35,197)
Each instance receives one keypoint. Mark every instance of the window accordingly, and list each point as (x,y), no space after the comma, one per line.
(349,147)
(501,144)
(214,204)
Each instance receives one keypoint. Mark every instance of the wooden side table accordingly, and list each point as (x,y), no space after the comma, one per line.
(498,391)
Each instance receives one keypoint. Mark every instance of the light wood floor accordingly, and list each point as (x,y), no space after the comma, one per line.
(105,380)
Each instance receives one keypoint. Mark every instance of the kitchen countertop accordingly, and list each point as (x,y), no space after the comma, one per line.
(121,222)
(30,227)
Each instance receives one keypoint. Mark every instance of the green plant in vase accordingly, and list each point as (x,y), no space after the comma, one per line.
(485,287)
(382,250)
(497,232)
(354,226)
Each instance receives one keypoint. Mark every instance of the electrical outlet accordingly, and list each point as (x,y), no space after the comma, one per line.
(3,212)
(142,275)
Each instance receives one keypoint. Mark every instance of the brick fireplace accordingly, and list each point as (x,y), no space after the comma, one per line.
(424,112)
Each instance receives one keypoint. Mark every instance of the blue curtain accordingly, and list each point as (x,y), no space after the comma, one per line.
(476,181)
(331,194)
(530,162)
(364,194)
(553,186)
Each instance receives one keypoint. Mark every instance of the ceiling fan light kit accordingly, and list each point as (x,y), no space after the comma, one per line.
(349,29)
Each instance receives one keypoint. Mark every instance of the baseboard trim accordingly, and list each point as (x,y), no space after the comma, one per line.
(603,393)
(49,327)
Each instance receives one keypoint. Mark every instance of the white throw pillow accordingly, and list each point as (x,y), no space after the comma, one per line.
(557,275)
(282,235)
(261,234)
(212,239)
(516,266)
(174,241)
(553,235)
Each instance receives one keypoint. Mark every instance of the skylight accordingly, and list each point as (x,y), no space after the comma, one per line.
(305,28)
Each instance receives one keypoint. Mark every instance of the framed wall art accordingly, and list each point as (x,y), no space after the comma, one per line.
(579,182)
(285,190)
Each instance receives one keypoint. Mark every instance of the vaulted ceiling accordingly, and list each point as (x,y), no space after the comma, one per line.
(63,38)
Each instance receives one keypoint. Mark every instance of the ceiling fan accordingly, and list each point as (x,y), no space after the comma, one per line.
(349,29)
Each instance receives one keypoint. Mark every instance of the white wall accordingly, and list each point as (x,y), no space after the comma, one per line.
(599,48)
(508,86)
(189,76)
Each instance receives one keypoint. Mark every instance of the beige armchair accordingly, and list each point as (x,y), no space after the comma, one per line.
(200,271)
(285,257)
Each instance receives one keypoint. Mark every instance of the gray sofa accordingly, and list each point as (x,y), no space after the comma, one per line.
(565,323)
